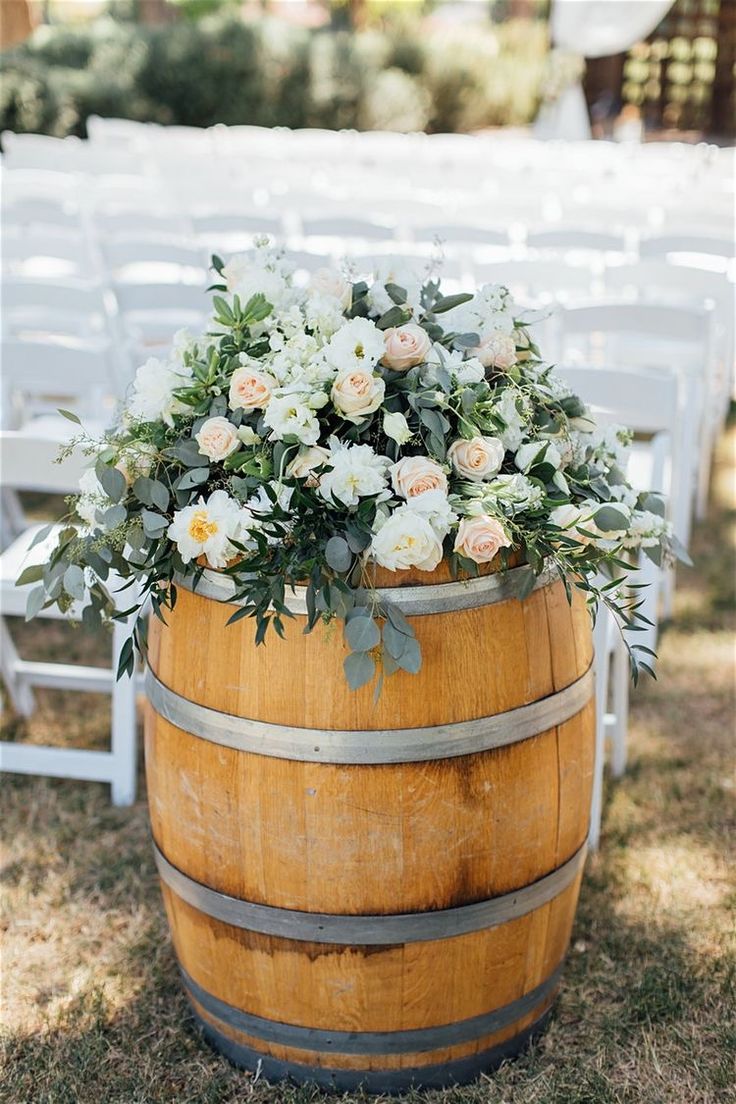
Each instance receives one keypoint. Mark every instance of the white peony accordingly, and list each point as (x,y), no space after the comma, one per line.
(355,471)
(207,528)
(291,415)
(436,508)
(407,539)
(152,398)
(357,344)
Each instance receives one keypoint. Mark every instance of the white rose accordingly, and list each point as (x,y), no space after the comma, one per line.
(357,393)
(496,350)
(328,283)
(250,389)
(415,475)
(355,471)
(306,461)
(291,415)
(405,347)
(217,438)
(476,459)
(397,428)
(357,344)
(406,539)
(480,538)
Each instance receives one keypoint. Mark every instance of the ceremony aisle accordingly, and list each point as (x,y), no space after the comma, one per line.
(646,1014)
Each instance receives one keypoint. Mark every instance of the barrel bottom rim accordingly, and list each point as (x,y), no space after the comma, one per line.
(457,1072)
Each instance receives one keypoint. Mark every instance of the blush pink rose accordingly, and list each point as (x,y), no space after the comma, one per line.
(405,347)
(480,538)
(476,459)
(496,350)
(250,389)
(414,475)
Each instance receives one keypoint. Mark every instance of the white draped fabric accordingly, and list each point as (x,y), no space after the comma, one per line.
(593,28)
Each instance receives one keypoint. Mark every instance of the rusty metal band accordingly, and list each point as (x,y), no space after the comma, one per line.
(414,601)
(458,1071)
(410,1041)
(410,927)
(367,746)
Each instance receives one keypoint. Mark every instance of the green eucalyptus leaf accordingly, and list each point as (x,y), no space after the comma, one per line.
(359,669)
(192,478)
(338,554)
(69,415)
(113,481)
(35,603)
(160,496)
(447,302)
(608,519)
(394,641)
(362,634)
(31,574)
(74,582)
(411,658)
(153,524)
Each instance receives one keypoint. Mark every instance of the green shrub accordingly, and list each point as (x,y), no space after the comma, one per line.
(221,69)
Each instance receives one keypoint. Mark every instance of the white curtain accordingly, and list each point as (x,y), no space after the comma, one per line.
(593,28)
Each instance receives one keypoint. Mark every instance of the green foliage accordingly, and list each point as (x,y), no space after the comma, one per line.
(220,69)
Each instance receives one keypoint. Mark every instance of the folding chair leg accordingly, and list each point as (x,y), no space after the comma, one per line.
(600,642)
(124,730)
(17,687)
(620,729)
(14,521)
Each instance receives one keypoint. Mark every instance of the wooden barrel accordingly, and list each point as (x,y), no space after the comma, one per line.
(373,893)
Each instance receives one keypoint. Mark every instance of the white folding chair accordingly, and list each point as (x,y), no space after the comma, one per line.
(650,404)
(157,260)
(538,282)
(647,335)
(152,313)
(27,463)
(572,239)
(695,250)
(47,253)
(38,377)
(33,308)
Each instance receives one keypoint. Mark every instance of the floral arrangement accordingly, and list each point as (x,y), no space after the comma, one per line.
(315,433)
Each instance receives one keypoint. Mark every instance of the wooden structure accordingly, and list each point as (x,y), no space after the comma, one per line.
(377,894)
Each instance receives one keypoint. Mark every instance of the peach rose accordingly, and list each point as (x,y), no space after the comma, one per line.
(496,350)
(250,389)
(414,475)
(405,346)
(305,462)
(356,393)
(217,438)
(479,538)
(476,459)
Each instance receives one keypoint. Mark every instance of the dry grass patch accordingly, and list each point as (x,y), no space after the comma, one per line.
(93,1013)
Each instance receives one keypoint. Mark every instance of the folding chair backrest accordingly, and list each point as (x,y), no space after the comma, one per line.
(30,462)
(44,375)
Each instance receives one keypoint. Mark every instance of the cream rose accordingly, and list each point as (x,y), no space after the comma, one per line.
(217,438)
(415,475)
(406,539)
(496,350)
(357,393)
(305,462)
(250,389)
(331,284)
(405,346)
(480,538)
(477,459)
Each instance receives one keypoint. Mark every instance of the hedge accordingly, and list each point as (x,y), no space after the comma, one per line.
(223,70)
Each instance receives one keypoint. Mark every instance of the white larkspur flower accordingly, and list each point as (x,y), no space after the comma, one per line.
(207,527)
(354,471)
(537,452)
(398,272)
(514,493)
(646,530)
(436,508)
(92,497)
(357,344)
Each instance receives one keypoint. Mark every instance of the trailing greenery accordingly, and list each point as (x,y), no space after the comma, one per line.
(315,433)
(221,69)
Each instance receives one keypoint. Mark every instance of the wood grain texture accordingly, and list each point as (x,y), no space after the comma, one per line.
(476,663)
(372,839)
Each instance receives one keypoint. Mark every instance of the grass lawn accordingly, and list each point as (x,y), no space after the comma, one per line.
(92,1009)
